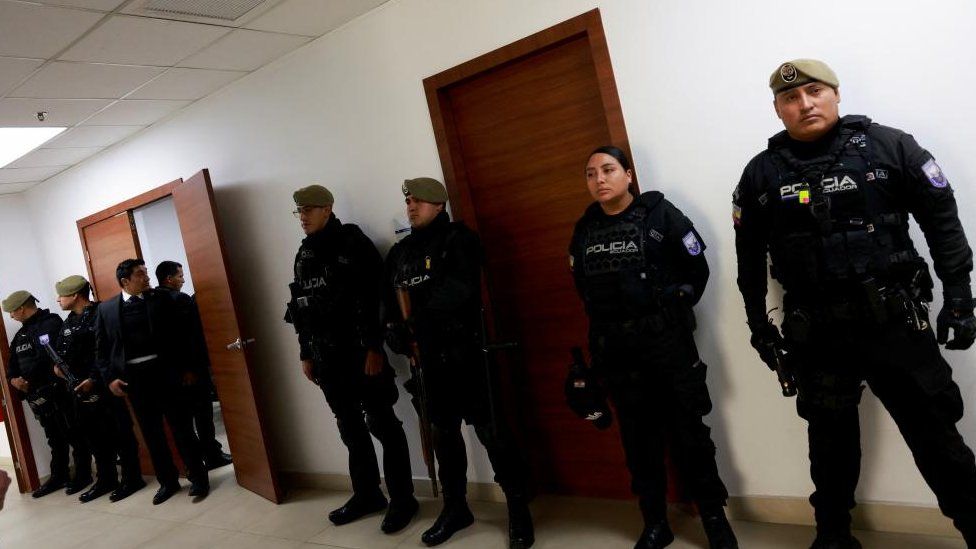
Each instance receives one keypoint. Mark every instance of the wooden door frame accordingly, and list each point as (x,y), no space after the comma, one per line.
(588,24)
(25,468)
(127,206)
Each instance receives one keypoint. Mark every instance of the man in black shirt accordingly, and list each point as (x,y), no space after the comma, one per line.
(829,201)
(103,420)
(200,388)
(335,308)
(31,372)
(140,353)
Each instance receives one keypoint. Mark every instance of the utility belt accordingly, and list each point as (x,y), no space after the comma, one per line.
(655,322)
(871,304)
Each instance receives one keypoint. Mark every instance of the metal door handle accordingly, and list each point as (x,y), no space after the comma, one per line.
(238,344)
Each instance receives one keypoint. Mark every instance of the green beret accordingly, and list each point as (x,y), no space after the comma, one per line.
(427,189)
(313,195)
(71,285)
(15,300)
(799,72)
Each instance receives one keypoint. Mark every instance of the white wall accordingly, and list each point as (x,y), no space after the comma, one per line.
(22,268)
(160,239)
(348,110)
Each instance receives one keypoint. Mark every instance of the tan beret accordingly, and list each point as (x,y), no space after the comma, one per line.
(313,195)
(15,300)
(799,72)
(71,285)
(427,189)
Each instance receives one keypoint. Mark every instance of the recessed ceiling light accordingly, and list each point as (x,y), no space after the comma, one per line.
(16,142)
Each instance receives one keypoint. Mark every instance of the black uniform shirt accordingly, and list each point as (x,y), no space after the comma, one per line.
(27,358)
(76,343)
(901,178)
(623,264)
(340,268)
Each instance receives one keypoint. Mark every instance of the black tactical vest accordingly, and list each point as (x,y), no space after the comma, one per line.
(324,272)
(35,365)
(76,342)
(624,261)
(834,222)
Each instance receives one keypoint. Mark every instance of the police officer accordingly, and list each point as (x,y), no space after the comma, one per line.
(639,266)
(104,421)
(829,201)
(439,264)
(335,308)
(200,387)
(31,372)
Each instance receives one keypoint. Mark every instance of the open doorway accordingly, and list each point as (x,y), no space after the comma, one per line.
(178,220)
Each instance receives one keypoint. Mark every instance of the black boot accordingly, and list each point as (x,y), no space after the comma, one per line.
(718,530)
(835,540)
(399,514)
(78,484)
(358,507)
(655,536)
(455,516)
(521,534)
(52,485)
(217,460)
(97,490)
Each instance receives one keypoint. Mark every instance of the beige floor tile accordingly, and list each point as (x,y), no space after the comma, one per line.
(235,512)
(300,518)
(125,533)
(188,536)
(240,540)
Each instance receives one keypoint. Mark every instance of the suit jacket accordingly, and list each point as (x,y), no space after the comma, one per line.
(166,331)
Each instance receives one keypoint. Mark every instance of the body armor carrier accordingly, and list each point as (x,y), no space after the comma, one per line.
(839,240)
(622,266)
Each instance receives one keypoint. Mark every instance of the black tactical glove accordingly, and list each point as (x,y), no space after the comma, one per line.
(584,394)
(766,340)
(397,337)
(957,313)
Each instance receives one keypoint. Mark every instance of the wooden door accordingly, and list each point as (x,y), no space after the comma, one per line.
(108,243)
(514,130)
(226,341)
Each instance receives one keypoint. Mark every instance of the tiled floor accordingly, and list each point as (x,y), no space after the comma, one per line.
(233,518)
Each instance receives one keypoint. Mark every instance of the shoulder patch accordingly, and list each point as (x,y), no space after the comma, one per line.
(934,174)
(691,243)
(736,214)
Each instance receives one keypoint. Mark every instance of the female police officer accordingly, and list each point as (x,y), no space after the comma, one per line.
(639,267)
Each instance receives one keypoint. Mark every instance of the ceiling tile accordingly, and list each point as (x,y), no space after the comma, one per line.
(245,50)
(39,158)
(85,81)
(186,84)
(136,112)
(12,188)
(92,136)
(100,5)
(143,41)
(26,175)
(13,70)
(60,112)
(311,17)
(29,30)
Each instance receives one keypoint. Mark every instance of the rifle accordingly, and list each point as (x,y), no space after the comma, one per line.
(420,389)
(487,348)
(73,382)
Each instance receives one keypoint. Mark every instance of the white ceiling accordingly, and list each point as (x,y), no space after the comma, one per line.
(109,68)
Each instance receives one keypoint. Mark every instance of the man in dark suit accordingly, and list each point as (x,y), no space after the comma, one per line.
(139,353)
(169,275)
